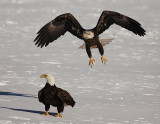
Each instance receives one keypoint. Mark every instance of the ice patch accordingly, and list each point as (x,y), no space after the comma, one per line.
(149,76)
(19,118)
(2,84)
(158,76)
(6,122)
(147,94)
(5,100)
(11,22)
(42,85)
(55,63)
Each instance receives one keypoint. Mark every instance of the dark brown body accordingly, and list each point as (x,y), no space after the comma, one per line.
(92,42)
(57,97)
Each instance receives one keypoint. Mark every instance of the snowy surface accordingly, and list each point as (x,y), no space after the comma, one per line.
(125,91)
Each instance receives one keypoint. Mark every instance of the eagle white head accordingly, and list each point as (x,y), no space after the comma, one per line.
(88,35)
(49,78)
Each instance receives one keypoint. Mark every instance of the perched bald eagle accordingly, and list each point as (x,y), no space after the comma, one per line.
(67,22)
(52,95)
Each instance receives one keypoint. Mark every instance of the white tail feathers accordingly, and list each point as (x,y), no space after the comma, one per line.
(102,41)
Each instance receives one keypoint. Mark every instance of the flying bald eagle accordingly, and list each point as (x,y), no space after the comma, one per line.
(67,22)
(52,95)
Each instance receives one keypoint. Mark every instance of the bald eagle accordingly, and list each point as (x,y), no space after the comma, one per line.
(67,22)
(52,95)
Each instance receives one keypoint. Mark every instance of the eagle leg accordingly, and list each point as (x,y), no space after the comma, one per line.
(103,60)
(91,62)
(46,113)
(58,115)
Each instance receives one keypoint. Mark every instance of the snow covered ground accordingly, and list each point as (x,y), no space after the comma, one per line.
(125,91)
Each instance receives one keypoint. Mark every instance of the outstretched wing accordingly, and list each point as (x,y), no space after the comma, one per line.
(108,18)
(65,97)
(57,27)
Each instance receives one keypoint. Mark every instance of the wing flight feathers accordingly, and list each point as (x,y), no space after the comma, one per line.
(108,18)
(57,27)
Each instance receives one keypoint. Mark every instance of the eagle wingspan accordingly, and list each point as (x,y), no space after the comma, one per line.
(57,27)
(108,18)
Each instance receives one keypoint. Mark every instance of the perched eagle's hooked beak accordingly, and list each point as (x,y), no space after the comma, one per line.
(43,76)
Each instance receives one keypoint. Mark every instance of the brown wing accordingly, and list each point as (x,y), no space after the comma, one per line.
(65,97)
(40,95)
(108,18)
(57,27)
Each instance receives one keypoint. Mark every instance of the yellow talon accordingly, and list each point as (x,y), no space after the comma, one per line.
(91,61)
(58,115)
(103,60)
(46,113)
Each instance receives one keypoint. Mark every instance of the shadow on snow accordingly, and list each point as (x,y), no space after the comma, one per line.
(27,110)
(15,94)
(22,110)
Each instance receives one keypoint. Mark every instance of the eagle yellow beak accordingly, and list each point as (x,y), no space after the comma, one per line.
(84,35)
(43,76)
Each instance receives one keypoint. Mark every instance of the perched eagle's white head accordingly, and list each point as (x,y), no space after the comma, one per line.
(49,78)
(88,35)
